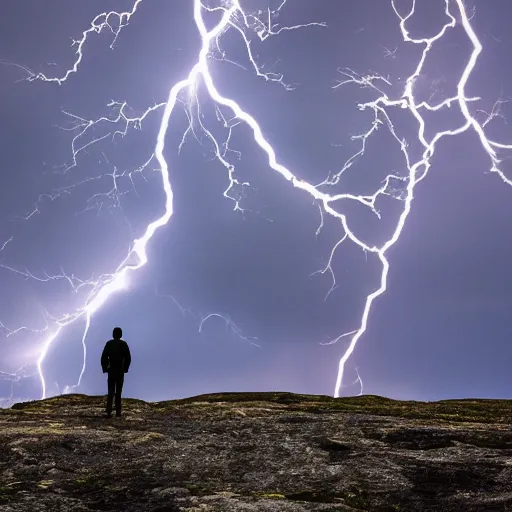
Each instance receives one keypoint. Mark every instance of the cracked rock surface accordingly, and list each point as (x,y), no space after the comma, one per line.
(257,451)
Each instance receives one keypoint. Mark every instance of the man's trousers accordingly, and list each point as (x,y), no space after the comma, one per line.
(115,389)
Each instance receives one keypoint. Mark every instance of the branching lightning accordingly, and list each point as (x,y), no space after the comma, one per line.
(230,114)
(229,325)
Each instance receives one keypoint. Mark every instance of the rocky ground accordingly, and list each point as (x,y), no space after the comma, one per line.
(257,451)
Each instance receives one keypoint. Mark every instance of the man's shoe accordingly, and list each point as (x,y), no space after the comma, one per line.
(107,415)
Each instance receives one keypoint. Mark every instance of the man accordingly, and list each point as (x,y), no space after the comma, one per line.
(115,360)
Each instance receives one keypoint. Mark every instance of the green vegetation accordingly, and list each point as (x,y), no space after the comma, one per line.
(44,484)
(270,495)
(466,410)
(213,448)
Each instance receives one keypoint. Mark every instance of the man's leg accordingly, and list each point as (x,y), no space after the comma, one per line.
(119,391)
(111,382)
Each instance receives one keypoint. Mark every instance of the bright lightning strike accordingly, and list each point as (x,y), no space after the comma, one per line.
(399,187)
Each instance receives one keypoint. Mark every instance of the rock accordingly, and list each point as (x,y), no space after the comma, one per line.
(257,451)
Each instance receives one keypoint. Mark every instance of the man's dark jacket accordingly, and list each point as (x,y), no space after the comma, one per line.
(116,357)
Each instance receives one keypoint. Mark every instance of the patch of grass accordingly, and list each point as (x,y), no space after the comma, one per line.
(466,410)
(44,484)
(44,429)
(72,400)
(270,495)
(149,436)
(86,481)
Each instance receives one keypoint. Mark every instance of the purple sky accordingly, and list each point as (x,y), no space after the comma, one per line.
(441,329)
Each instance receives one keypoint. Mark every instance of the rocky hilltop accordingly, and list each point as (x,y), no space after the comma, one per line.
(257,451)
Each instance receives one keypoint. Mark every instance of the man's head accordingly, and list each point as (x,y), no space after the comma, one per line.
(117,333)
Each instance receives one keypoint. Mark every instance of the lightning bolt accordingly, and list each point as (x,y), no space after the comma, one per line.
(397,186)
(229,325)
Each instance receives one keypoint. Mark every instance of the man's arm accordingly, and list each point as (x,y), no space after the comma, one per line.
(104,359)
(127,358)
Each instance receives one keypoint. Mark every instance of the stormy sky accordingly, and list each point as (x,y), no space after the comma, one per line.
(79,183)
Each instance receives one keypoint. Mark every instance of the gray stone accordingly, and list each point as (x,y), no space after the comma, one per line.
(256,452)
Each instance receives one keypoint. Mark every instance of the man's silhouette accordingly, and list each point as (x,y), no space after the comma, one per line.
(115,360)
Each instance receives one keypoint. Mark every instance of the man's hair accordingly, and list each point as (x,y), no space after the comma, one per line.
(117,333)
